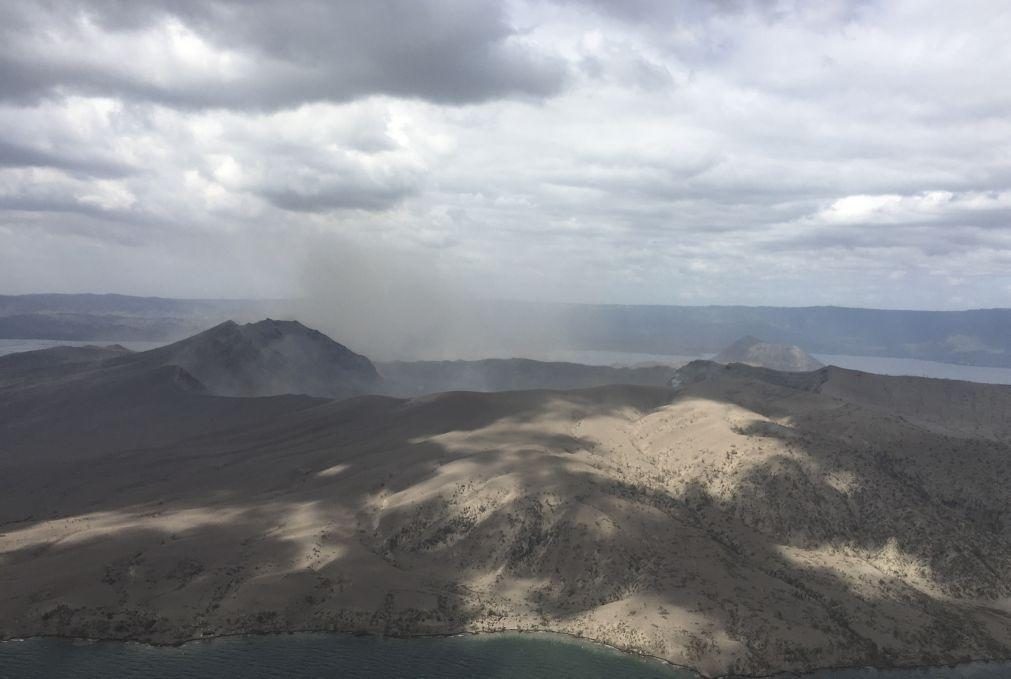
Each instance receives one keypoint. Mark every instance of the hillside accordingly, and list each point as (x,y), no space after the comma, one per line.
(266,358)
(414,378)
(745,521)
(752,351)
(27,365)
(950,407)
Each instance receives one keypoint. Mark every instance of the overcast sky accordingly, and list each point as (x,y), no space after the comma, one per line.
(786,153)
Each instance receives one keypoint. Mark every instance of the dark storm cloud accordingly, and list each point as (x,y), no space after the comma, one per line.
(336,197)
(653,11)
(662,12)
(870,243)
(64,204)
(17,155)
(279,54)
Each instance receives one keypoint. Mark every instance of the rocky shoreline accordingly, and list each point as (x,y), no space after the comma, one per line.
(566,636)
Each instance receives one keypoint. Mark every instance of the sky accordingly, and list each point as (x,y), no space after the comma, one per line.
(627,151)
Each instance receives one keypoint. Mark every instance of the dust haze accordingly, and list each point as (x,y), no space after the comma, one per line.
(394,306)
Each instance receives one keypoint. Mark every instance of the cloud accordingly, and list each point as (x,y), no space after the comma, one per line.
(739,152)
(341,195)
(237,54)
(926,207)
(17,155)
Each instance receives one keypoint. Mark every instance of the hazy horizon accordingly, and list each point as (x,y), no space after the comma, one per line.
(505,300)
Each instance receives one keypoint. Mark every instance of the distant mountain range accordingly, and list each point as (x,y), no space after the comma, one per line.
(974,337)
(91,317)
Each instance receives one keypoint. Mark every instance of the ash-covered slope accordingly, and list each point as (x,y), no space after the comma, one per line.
(414,378)
(951,407)
(57,413)
(86,401)
(29,365)
(267,358)
(748,521)
(753,351)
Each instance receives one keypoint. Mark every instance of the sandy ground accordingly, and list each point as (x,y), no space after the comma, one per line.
(734,525)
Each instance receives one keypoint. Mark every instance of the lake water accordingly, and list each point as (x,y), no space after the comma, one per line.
(918,368)
(320,656)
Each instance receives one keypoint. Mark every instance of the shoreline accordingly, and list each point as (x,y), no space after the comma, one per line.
(568,636)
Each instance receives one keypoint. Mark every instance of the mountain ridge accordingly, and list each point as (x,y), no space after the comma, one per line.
(265,358)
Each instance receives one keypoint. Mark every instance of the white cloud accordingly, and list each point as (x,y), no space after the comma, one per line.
(922,207)
(779,153)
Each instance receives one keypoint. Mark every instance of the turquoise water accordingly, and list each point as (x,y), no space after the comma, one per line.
(325,656)
(301,656)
